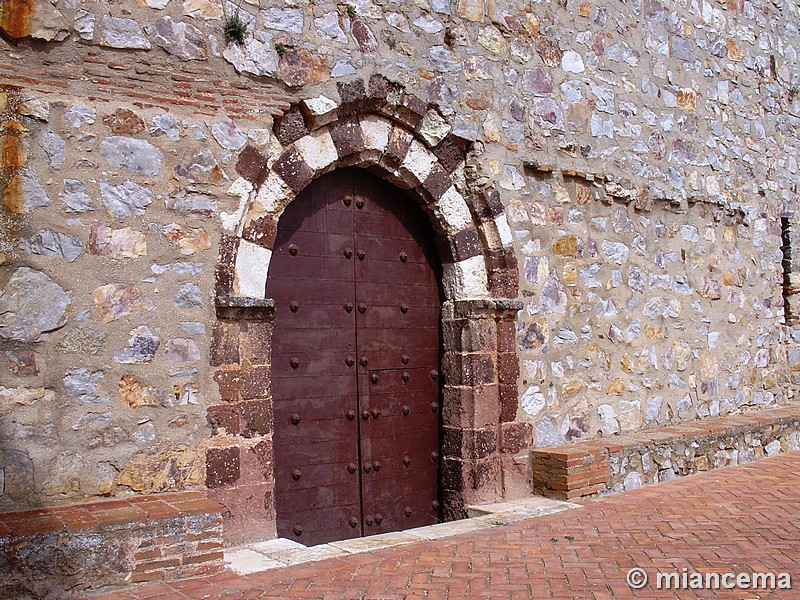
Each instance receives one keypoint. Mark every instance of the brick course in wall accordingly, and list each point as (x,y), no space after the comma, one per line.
(147,84)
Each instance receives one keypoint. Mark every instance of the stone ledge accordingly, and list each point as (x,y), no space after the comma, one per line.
(629,461)
(111,542)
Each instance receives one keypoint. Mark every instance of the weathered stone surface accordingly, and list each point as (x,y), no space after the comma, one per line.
(428,24)
(364,37)
(84,24)
(181,39)
(566,246)
(687,99)
(471,10)
(123,122)
(228,135)
(85,341)
(319,111)
(142,347)
(549,51)
(181,350)
(53,243)
(23,363)
(533,401)
(35,108)
(433,128)
(160,468)
(444,60)
(18,474)
(32,304)
(190,203)
(37,19)
(81,384)
(29,194)
(78,116)
(300,67)
(166,124)
(572,62)
(188,241)
(123,33)
(330,26)
(53,147)
(188,296)
(75,198)
(15,398)
(138,156)
(254,57)
(490,38)
(547,114)
(126,199)
(199,167)
(537,81)
(203,9)
(546,434)
(136,394)
(608,419)
(116,243)
(117,300)
(289,20)
(181,268)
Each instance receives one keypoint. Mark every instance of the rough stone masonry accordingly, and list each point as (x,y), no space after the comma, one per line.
(643,156)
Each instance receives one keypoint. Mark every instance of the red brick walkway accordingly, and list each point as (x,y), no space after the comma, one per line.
(738,519)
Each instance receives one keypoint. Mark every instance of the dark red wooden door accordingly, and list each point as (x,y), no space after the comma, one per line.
(355,362)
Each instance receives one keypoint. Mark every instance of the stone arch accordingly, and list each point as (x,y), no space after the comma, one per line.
(379,127)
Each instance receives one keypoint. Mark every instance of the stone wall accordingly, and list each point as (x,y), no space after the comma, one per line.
(645,154)
(627,462)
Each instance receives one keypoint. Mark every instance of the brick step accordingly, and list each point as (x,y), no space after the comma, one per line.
(111,542)
(629,461)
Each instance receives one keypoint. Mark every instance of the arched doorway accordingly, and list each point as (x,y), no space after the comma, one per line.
(355,357)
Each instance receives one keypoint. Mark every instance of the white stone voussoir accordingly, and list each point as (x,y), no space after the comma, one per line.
(320,111)
(417,164)
(451,212)
(274,195)
(466,279)
(433,128)
(250,274)
(242,189)
(375,132)
(317,150)
(503,231)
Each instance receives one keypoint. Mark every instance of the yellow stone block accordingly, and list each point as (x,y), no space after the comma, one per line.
(735,51)
(471,10)
(617,386)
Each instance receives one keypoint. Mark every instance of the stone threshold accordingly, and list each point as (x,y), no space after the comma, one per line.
(282,552)
(624,462)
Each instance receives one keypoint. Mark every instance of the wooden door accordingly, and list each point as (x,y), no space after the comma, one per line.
(356,352)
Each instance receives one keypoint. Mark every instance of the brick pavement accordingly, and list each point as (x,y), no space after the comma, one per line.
(735,519)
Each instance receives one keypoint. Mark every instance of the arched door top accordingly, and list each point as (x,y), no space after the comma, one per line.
(396,138)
